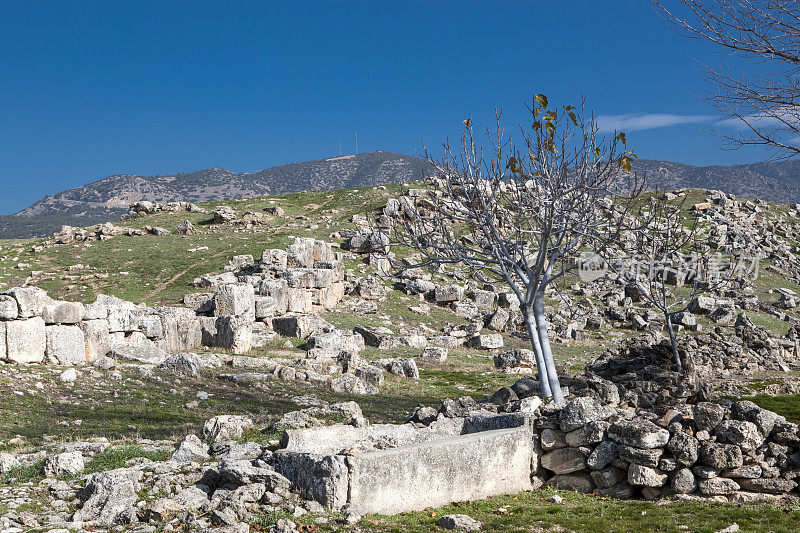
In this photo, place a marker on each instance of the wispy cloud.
(777, 117)
(647, 121)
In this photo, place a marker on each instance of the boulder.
(139, 349)
(717, 486)
(108, 496)
(638, 433)
(31, 301)
(581, 411)
(721, 456)
(235, 299)
(740, 433)
(26, 340)
(182, 364)
(190, 449)
(65, 345)
(684, 448)
(645, 476)
(352, 384)
(563, 461)
(683, 481)
(459, 522)
(63, 313)
(226, 427)
(70, 463)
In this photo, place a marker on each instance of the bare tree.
(520, 214)
(760, 98)
(666, 249)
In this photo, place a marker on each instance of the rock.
(684, 448)
(638, 433)
(707, 415)
(63, 313)
(190, 449)
(182, 364)
(770, 486)
(740, 433)
(459, 522)
(435, 353)
(489, 341)
(683, 481)
(186, 228)
(142, 350)
(64, 463)
(68, 376)
(645, 476)
(243, 472)
(721, 456)
(563, 461)
(351, 384)
(162, 510)
(591, 433)
(530, 405)
(733, 528)
(640, 456)
(31, 301)
(26, 340)
(717, 486)
(235, 299)
(371, 288)
(575, 482)
(371, 374)
(444, 294)
(580, 412)
(608, 477)
(552, 439)
(520, 360)
(65, 345)
(226, 427)
(109, 496)
(8, 462)
(602, 456)
(8, 307)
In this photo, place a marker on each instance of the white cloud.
(777, 117)
(647, 121)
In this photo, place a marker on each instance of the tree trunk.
(674, 342)
(547, 353)
(544, 382)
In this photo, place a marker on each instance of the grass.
(118, 456)
(530, 512)
(786, 405)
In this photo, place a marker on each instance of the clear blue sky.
(91, 88)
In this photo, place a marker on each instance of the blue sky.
(90, 89)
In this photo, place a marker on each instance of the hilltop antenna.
(340, 147)
(356, 142)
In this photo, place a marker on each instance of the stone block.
(26, 340)
(96, 337)
(66, 345)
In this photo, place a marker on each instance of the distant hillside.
(774, 182)
(107, 199)
(117, 192)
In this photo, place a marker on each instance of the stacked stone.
(37, 329)
(139, 209)
(706, 449)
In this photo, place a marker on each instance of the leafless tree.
(667, 256)
(520, 213)
(760, 95)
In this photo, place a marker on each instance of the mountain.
(116, 192)
(774, 182)
(109, 198)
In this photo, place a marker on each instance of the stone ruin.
(281, 289)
